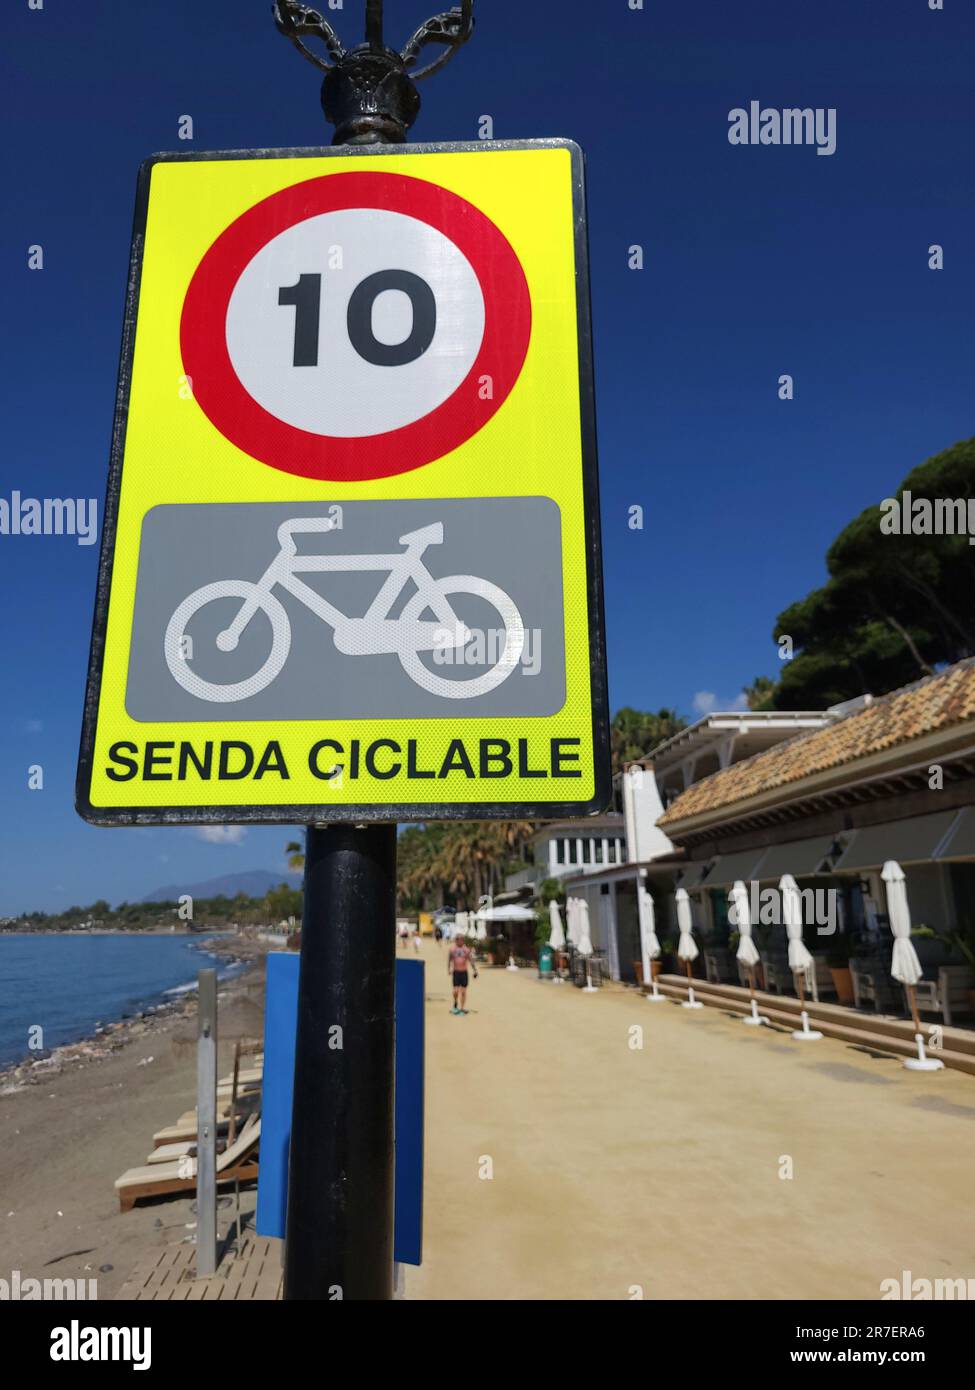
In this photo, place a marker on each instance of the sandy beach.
(89, 1114)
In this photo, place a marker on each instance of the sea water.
(66, 985)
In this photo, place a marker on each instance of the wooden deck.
(253, 1273)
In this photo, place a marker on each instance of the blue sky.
(758, 261)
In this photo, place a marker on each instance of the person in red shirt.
(460, 959)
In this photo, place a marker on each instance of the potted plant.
(838, 960)
(934, 948)
(961, 940)
(666, 963)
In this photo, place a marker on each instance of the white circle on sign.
(343, 394)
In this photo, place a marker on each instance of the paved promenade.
(614, 1167)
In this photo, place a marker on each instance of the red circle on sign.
(222, 396)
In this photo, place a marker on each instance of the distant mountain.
(254, 882)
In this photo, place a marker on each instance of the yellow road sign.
(351, 562)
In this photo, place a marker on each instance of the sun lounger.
(186, 1148)
(238, 1164)
(185, 1127)
(239, 1086)
(252, 1077)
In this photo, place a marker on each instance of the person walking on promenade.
(460, 959)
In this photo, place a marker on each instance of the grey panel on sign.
(319, 614)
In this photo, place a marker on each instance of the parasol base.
(511, 965)
(922, 1062)
(690, 1002)
(656, 997)
(805, 1033)
(754, 1019)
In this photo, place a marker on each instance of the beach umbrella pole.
(755, 1019)
(654, 996)
(922, 1062)
(690, 1002)
(912, 999)
(805, 1033)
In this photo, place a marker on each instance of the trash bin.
(545, 958)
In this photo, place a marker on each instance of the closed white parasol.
(649, 945)
(584, 942)
(747, 951)
(905, 965)
(800, 961)
(556, 937)
(686, 946)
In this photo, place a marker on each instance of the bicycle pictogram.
(375, 633)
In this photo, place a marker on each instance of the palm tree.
(634, 733)
(462, 858)
(474, 854)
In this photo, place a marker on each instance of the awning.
(908, 841)
(959, 843)
(731, 867)
(513, 912)
(800, 858)
(694, 874)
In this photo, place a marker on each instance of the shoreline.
(88, 1113)
(115, 931)
(110, 1038)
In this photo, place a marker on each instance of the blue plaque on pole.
(280, 1024)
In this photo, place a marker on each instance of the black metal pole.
(340, 1189)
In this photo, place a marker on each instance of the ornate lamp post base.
(369, 93)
